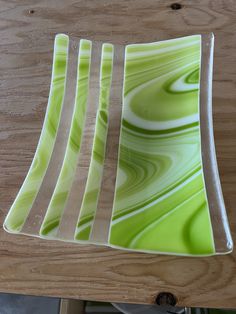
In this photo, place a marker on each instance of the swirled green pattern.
(28, 192)
(57, 203)
(93, 185)
(160, 201)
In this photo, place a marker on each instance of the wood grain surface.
(37, 267)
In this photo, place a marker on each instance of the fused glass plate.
(126, 155)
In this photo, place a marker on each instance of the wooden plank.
(37, 267)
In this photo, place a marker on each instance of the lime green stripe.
(28, 192)
(157, 132)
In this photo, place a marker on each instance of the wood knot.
(176, 6)
(166, 298)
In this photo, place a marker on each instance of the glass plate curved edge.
(222, 234)
(214, 193)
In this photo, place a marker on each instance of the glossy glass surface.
(161, 193)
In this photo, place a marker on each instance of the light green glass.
(57, 203)
(28, 192)
(160, 200)
(93, 185)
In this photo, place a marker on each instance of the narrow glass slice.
(160, 200)
(57, 203)
(219, 220)
(100, 227)
(93, 185)
(28, 192)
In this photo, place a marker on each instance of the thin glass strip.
(26, 196)
(93, 185)
(220, 225)
(100, 227)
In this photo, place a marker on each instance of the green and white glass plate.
(126, 155)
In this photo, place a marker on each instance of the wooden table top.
(39, 267)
